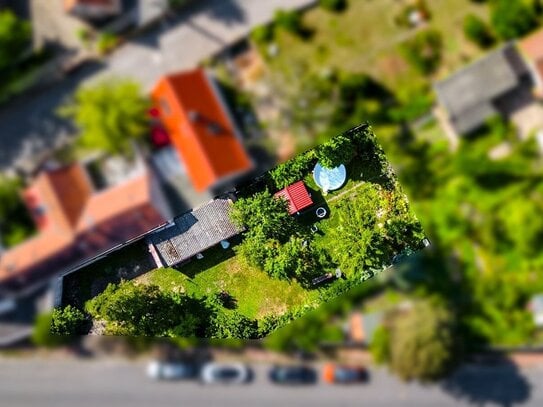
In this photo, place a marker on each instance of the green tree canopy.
(15, 222)
(422, 342)
(477, 31)
(14, 38)
(137, 309)
(110, 115)
(512, 19)
(338, 150)
(265, 214)
(69, 321)
(424, 51)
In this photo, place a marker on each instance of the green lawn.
(256, 293)
(365, 39)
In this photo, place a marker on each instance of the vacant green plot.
(365, 39)
(257, 294)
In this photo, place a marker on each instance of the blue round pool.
(329, 179)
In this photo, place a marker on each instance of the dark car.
(344, 374)
(293, 375)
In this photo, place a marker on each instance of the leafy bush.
(106, 42)
(232, 324)
(262, 34)
(289, 20)
(422, 342)
(380, 345)
(477, 31)
(339, 150)
(294, 259)
(15, 221)
(110, 115)
(512, 19)
(137, 309)
(69, 321)
(293, 170)
(263, 213)
(15, 36)
(42, 336)
(424, 51)
(333, 5)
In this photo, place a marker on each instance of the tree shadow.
(498, 383)
(228, 12)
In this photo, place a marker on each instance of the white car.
(159, 370)
(225, 373)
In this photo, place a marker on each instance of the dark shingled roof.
(469, 95)
(195, 232)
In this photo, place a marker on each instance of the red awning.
(297, 197)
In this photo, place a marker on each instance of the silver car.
(161, 370)
(225, 373)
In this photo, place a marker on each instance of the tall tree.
(512, 19)
(110, 115)
(14, 38)
(422, 342)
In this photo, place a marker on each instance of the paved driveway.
(29, 125)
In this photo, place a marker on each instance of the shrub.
(380, 345)
(339, 150)
(333, 5)
(106, 42)
(262, 34)
(422, 342)
(477, 31)
(289, 20)
(42, 336)
(69, 321)
(232, 324)
(424, 51)
(293, 170)
(512, 19)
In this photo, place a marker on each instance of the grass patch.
(257, 294)
(336, 43)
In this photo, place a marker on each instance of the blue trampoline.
(329, 179)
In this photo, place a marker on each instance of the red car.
(339, 374)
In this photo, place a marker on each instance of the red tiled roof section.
(532, 46)
(297, 197)
(36, 250)
(70, 4)
(104, 206)
(200, 128)
(61, 195)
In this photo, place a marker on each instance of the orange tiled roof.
(36, 250)
(70, 4)
(189, 109)
(105, 205)
(81, 223)
(532, 45)
(532, 48)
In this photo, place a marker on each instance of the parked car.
(169, 370)
(332, 373)
(225, 373)
(298, 374)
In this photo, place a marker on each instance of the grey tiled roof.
(195, 232)
(468, 94)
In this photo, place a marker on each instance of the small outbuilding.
(297, 196)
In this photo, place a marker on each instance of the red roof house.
(93, 8)
(297, 197)
(194, 114)
(532, 49)
(76, 222)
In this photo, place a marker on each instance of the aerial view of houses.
(250, 261)
(217, 169)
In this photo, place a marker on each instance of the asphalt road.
(120, 383)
